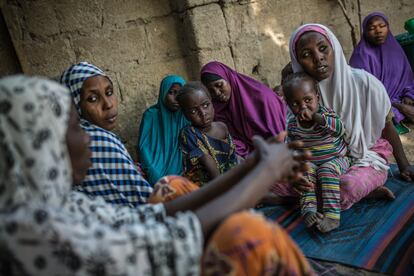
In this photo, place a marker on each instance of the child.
(207, 146)
(322, 133)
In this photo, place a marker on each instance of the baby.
(208, 149)
(322, 133)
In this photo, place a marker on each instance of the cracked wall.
(138, 42)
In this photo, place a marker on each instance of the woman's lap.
(356, 184)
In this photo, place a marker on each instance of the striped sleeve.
(333, 123)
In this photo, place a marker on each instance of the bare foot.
(381, 193)
(327, 224)
(311, 218)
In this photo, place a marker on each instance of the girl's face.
(77, 142)
(98, 103)
(377, 30)
(315, 55)
(170, 100)
(198, 109)
(220, 90)
(302, 95)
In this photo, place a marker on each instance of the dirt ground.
(408, 144)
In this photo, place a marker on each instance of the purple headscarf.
(387, 62)
(253, 108)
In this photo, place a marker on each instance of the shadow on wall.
(9, 64)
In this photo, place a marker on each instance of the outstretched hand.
(284, 159)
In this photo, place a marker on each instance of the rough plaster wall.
(138, 42)
(134, 42)
(9, 64)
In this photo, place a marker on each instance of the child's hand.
(305, 115)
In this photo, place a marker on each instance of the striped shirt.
(324, 142)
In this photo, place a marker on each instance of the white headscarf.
(358, 97)
(47, 230)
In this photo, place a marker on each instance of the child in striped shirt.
(322, 133)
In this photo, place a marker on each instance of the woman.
(45, 229)
(359, 99)
(113, 174)
(362, 104)
(158, 142)
(245, 105)
(379, 53)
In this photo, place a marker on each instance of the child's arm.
(210, 166)
(330, 121)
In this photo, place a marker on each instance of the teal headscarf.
(158, 142)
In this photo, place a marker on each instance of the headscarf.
(158, 142)
(45, 229)
(113, 174)
(253, 108)
(356, 96)
(387, 62)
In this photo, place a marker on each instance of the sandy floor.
(408, 144)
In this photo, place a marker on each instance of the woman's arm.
(276, 162)
(211, 190)
(390, 134)
(218, 185)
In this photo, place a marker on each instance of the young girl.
(158, 146)
(208, 149)
(322, 134)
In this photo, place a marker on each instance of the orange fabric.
(170, 187)
(246, 244)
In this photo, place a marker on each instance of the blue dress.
(195, 144)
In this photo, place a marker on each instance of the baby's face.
(303, 96)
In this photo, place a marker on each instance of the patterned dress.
(46, 228)
(195, 144)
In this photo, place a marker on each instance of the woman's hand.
(285, 160)
(407, 100)
(302, 185)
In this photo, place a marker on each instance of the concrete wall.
(138, 42)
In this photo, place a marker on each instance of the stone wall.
(138, 42)
(9, 64)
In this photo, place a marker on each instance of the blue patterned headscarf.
(113, 174)
(158, 142)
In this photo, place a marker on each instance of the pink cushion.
(356, 184)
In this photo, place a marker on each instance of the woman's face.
(220, 90)
(170, 100)
(77, 142)
(98, 103)
(377, 30)
(315, 55)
